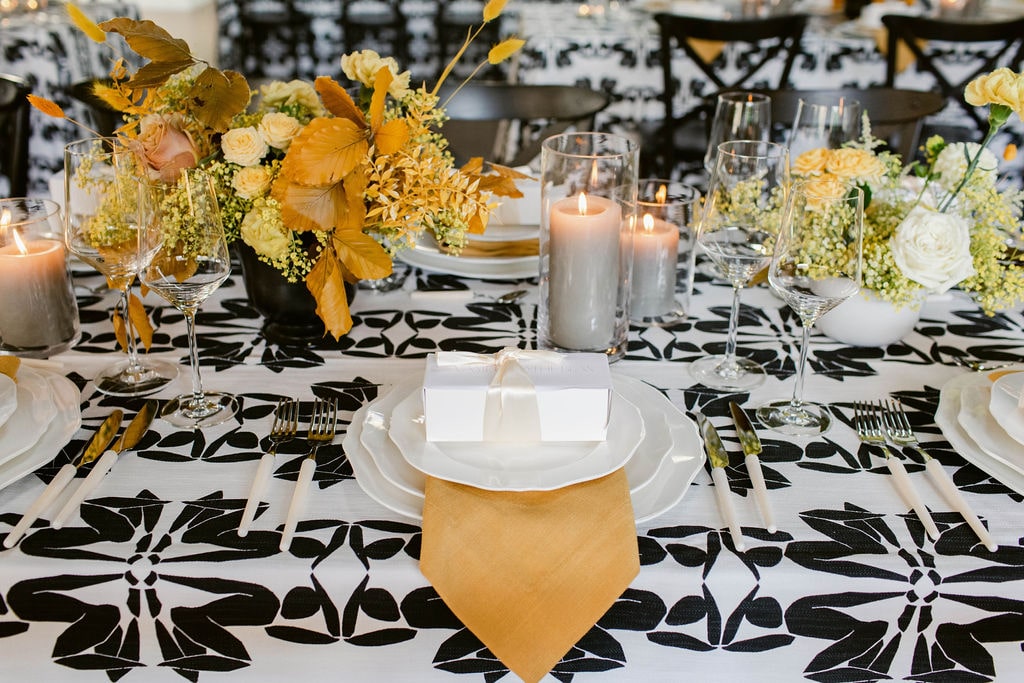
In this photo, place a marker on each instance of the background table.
(153, 584)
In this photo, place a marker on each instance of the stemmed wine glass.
(186, 260)
(736, 231)
(823, 124)
(739, 115)
(101, 226)
(816, 265)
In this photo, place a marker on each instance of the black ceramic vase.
(288, 308)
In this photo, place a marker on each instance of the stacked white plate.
(979, 415)
(659, 446)
(39, 413)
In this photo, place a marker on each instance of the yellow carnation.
(1002, 86)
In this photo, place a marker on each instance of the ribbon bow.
(511, 410)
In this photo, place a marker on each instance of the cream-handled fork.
(869, 430)
(285, 427)
(321, 431)
(897, 426)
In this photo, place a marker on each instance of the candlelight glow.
(582, 203)
(18, 242)
(594, 174)
(661, 195)
(648, 222)
(5, 219)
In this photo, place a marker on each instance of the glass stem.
(734, 323)
(131, 346)
(198, 398)
(798, 387)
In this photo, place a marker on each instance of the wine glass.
(816, 265)
(736, 231)
(823, 123)
(101, 227)
(187, 259)
(739, 115)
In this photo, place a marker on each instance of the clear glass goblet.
(739, 115)
(816, 265)
(736, 232)
(187, 259)
(102, 196)
(823, 124)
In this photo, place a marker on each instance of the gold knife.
(719, 461)
(751, 445)
(103, 436)
(131, 436)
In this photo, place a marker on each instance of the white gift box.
(516, 395)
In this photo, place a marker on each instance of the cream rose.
(1002, 86)
(811, 161)
(854, 164)
(251, 181)
(952, 161)
(363, 66)
(279, 129)
(166, 147)
(279, 93)
(244, 146)
(268, 237)
(933, 248)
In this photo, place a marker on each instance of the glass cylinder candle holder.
(588, 210)
(39, 316)
(663, 255)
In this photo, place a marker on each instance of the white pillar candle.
(583, 269)
(655, 251)
(39, 308)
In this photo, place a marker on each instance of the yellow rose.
(1002, 86)
(268, 237)
(244, 146)
(811, 162)
(279, 93)
(855, 164)
(279, 129)
(251, 181)
(363, 66)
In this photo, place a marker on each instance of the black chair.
(104, 118)
(754, 43)
(1006, 48)
(896, 115)
(507, 123)
(14, 131)
(274, 34)
(378, 25)
(452, 22)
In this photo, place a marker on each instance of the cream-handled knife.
(104, 435)
(719, 461)
(751, 445)
(131, 436)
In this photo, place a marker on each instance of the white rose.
(251, 181)
(952, 161)
(279, 129)
(268, 238)
(933, 249)
(363, 66)
(279, 93)
(244, 146)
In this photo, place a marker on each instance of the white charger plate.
(946, 417)
(425, 254)
(57, 435)
(977, 422)
(34, 413)
(8, 398)
(543, 466)
(1004, 404)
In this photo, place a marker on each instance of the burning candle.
(655, 251)
(39, 314)
(583, 271)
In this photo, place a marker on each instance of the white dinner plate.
(426, 255)
(8, 398)
(65, 423)
(374, 437)
(535, 466)
(977, 422)
(1004, 404)
(34, 412)
(675, 470)
(946, 418)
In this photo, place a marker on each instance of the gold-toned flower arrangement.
(938, 224)
(323, 185)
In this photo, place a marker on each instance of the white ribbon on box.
(511, 411)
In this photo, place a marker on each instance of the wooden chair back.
(14, 131)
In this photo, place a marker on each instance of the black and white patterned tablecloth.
(152, 583)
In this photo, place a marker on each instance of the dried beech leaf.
(327, 283)
(337, 100)
(354, 211)
(149, 40)
(140, 321)
(308, 208)
(325, 151)
(218, 97)
(361, 254)
(155, 74)
(120, 331)
(392, 136)
(381, 83)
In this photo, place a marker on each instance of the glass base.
(150, 375)
(720, 372)
(214, 408)
(670, 317)
(803, 419)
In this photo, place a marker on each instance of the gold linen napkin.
(499, 248)
(529, 573)
(707, 49)
(9, 366)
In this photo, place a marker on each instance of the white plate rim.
(35, 411)
(977, 422)
(1003, 405)
(8, 398)
(516, 268)
(369, 477)
(604, 458)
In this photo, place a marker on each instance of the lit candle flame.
(582, 203)
(648, 222)
(661, 195)
(18, 242)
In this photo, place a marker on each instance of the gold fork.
(869, 430)
(285, 427)
(321, 431)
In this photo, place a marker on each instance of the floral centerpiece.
(944, 223)
(324, 186)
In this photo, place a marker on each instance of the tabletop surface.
(151, 581)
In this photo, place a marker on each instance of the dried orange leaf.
(155, 74)
(149, 40)
(391, 136)
(327, 284)
(505, 49)
(85, 24)
(308, 208)
(381, 83)
(337, 100)
(48, 107)
(140, 321)
(325, 151)
(352, 216)
(361, 254)
(219, 96)
(120, 331)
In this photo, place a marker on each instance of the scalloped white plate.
(8, 398)
(1004, 404)
(36, 409)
